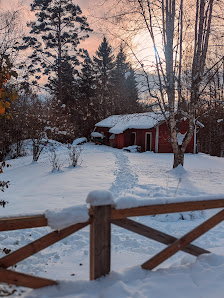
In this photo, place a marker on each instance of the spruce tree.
(119, 82)
(88, 114)
(87, 77)
(68, 84)
(125, 92)
(54, 39)
(132, 96)
(104, 65)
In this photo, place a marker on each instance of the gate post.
(100, 233)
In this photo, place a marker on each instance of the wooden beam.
(24, 280)
(166, 208)
(100, 241)
(183, 241)
(39, 244)
(22, 222)
(156, 235)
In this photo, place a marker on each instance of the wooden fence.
(101, 218)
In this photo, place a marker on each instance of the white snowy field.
(131, 177)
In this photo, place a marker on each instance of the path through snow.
(125, 179)
(34, 189)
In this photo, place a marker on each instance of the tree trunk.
(59, 59)
(169, 76)
(178, 157)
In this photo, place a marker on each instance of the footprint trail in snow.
(125, 178)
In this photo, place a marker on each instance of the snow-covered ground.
(131, 177)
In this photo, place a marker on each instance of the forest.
(51, 88)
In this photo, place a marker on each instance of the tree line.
(81, 90)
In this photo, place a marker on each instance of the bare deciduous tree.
(171, 99)
(179, 32)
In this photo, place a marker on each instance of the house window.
(148, 140)
(133, 138)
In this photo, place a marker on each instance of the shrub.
(55, 163)
(74, 155)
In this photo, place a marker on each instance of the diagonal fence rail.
(100, 220)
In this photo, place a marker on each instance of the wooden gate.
(101, 218)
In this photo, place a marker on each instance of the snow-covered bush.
(74, 155)
(54, 160)
(38, 146)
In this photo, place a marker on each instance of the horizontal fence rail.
(166, 208)
(23, 222)
(101, 218)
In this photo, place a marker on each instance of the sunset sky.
(96, 11)
(91, 43)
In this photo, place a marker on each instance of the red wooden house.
(148, 130)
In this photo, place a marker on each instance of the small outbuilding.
(147, 130)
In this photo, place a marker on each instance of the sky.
(98, 14)
(91, 43)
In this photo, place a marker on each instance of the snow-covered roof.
(110, 121)
(119, 123)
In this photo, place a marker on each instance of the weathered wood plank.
(156, 235)
(39, 244)
(183, 241)
(24, 280)
(166, 208)
(100, 242)
(22, 222)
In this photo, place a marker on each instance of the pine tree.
(104, 65)
(132, 96)
(87, 77)
(68, 84)
(88, 115)
(119, 82)
(125, 86)
(54, 39)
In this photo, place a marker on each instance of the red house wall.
(164, 146)
(164, 138)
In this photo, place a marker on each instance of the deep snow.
(139, 176)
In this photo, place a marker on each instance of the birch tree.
(179, 32)
(172, 98)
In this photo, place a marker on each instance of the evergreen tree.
(119, 82)
(104, 65)
(132, 105)
(54, 39)
(87, 77)
(125, 86)
(68, 84)
(87, 110)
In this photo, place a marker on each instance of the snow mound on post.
(100, 198)
(59, 219)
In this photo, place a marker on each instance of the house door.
(133, 138)
(148, 140)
